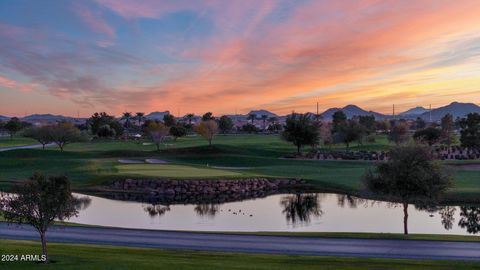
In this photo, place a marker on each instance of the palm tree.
(140, 116)
(127, 116)
(190, 117)
(252, 117)
(264, 118)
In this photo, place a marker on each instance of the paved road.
(435, 250)
(32, 146)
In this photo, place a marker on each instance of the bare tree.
(157, 132)
(208, 129)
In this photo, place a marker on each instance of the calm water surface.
(297, 213)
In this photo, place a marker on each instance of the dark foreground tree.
(470, 130)
(39, 202)
(410, 176)
(448, 130)
(300, 130)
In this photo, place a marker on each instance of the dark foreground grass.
(68, 256)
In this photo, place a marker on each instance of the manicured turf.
(66, 256)
(5, 141)
(91, 163)
(182, 171)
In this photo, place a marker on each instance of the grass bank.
(69, 256)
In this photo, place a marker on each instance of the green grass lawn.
(92, 163)
(5, 141)
(69, 256)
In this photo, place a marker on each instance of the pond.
(319, 212)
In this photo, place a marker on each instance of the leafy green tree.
(448, 130)
(225, 124)
(339, 119)
(369, 123)
(470, 130)
(208, 130)
(348, 132)
(100, 119)
(249, 128)
(178, 131)
(39, 202)
(169, 120)
(398, 133)
(13, 126)
(65, 133)
(300, 130)
(411, 175)
(106, 131)
(428, 135)
(40, 134)
(383, 126)
(208, 116)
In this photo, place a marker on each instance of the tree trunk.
(210, 142)
(298, 149)
(405, 218)
(61, 146)
(43, 146)
(44, 245)
(158, 147)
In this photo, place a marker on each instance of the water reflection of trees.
(156, 210)
(300, 208)
(470, 219)
(207, 209)
(82, 203)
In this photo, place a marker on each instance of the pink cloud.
(11, 84)
(95, 21)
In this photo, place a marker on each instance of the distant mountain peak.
(415, 111)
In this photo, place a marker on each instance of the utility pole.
(393, 110)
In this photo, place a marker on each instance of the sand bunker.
(130, 161)
(155, 161)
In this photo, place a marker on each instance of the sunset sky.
(78, 57)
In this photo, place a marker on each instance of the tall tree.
(65, 133)
(140, 116)
(190, 117)
(251, 117)
(339, 118)
(157, 132)
(398, 133)
(368, 122)
(448, 130)
(208, 116)
(470, 130)
(40, 134)
(13, 126)
(348, 132)
(264, 119)
(300, 130)
(127, 116)
(100, 119)
(420, 123)
(39, 202)
(208, 130)
(169, 120)
(428, 135)
(411, 175)
(225, 124)
(178, 131)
